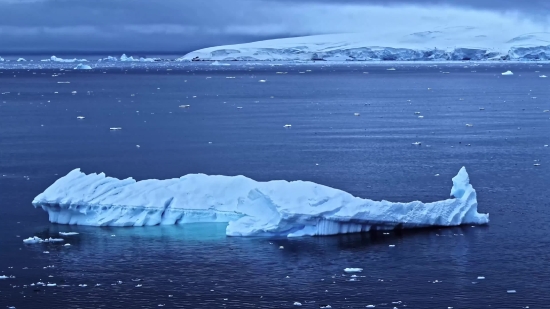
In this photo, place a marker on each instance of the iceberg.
(109, 59)
(251, 208)
(21, 60)
(81, 66)
(125, 58)
(447, 44)
(56, 59)
(1, 59)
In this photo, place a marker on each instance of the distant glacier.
(448, 44)
(251, 208)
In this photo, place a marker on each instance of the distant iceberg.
(125, 58)
(1, 59)
(448, 44)
(274, 208)
(109, 59)
(81, 66)
(56, 59)
(21, 60)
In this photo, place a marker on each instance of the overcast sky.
(180, 26)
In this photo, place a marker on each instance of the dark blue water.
(371, 155)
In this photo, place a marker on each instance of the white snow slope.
(274, 208)
(453, 43)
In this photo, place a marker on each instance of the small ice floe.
(469, 125)
(296, 303)
(138, 146)
(353, 270)
(4, 277)
(356, 114)
(11, 307)
(391, 246)
(230, 77)
(281, 247)
(480, 278)
(21, 60)
(536, 164)
(66, 245)
(545, 145)
(63, 82)
(73, 92)
(546, 111)
(51, 284)
(326, 307)
(82, 285)
(543, 76)
(390, 69)
(139, 285)
(370, 306)
(33, 240)
(507, 73)
(436, 175)
(417, 143)
(417, 113)
(420, 117)
(481, 108)
(185, 106)
(80, 117)
(54, 240)
(219, 63)
(287, 125)
(262, 81)
(115, 128)
(136, 280)
(511, 291)
(239, 107)
(68, 233)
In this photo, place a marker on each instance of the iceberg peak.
(461, 184)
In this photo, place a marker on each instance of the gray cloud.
(183, 25)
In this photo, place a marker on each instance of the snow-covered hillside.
(453, 43)
(274, 208)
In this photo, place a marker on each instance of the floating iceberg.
(109, 59)
(81, 66)
(125, 58)
(56, 59)
(508, 73)
(21, 60)
(448, 44)
(1, 59)
(274, 208)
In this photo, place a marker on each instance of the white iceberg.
(33, 240)
(81, 66)
(56, 59)
(1, 59)
(508, 73)
(109, 59)
(125, 58)
(21, 60)
(274, 208)
(446, 44)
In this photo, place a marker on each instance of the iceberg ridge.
(251, 208)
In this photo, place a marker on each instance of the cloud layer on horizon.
(174, 25)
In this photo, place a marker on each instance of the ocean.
(234, 125)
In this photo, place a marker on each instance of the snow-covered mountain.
(453, 43)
